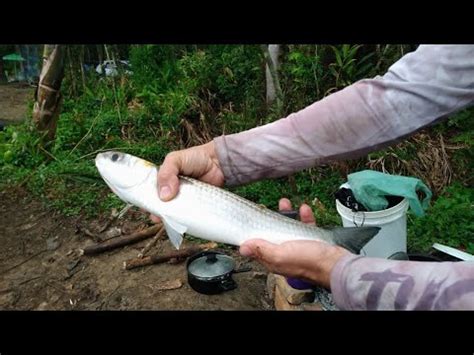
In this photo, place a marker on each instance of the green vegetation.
(179, 96)
(449, 221)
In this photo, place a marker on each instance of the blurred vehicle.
(112, 68)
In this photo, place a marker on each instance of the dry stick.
(121, 241)
(158, 259)
(152, 242)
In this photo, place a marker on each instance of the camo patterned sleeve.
(419, 89)
(361, 283)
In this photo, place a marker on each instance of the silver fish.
(212, 213)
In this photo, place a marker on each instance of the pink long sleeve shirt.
(418, 90)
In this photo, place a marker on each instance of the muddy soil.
(41, 267)
(13, 102)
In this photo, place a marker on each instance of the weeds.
(179, 96)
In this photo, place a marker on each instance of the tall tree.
(48, 95)
(274, 92)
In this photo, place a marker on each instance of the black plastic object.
(413, 257)
(399, 255)
(210, 272)
(423, 257)
(290, 214)
(347, 198)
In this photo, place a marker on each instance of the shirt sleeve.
(421, 88)
(362, 283)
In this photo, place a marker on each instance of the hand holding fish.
(309, 260)
(199, 162)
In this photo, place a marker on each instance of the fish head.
(123, 171)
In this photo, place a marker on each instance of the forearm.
(361, 283)
(368, 115)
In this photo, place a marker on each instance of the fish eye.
(115, 157)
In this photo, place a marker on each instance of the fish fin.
(354, 238)
(174, 230)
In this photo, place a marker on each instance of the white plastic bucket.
(391, 238)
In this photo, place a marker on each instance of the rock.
(293, 296)
(281, 304)
(271, 285)
(53, 243)
(43, 306)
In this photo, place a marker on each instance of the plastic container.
(392, 237)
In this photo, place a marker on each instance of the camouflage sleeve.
(362, 283)
(419, 89)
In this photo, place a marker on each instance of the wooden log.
(177, 254)
(121, 241)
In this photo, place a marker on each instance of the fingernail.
(165, 192)
(246, 251)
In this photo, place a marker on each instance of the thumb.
(260, 249)
(168, 180)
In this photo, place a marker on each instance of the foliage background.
(183, 95)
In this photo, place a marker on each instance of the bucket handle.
(363, 219)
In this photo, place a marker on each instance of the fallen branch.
(152, 242)
(121, 241)
(158, 259)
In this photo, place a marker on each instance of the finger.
(168, 180)
(284, 204)
(155, 219)
(306, 214)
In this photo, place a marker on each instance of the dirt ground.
(41, 267)
(13, 101)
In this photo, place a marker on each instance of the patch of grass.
(448, 221)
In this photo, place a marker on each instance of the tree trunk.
(274, 93)
(48, 96)
(81, 63)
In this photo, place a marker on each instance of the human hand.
(312, 261)
(199, 162)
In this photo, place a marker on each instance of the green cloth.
(370, 188)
